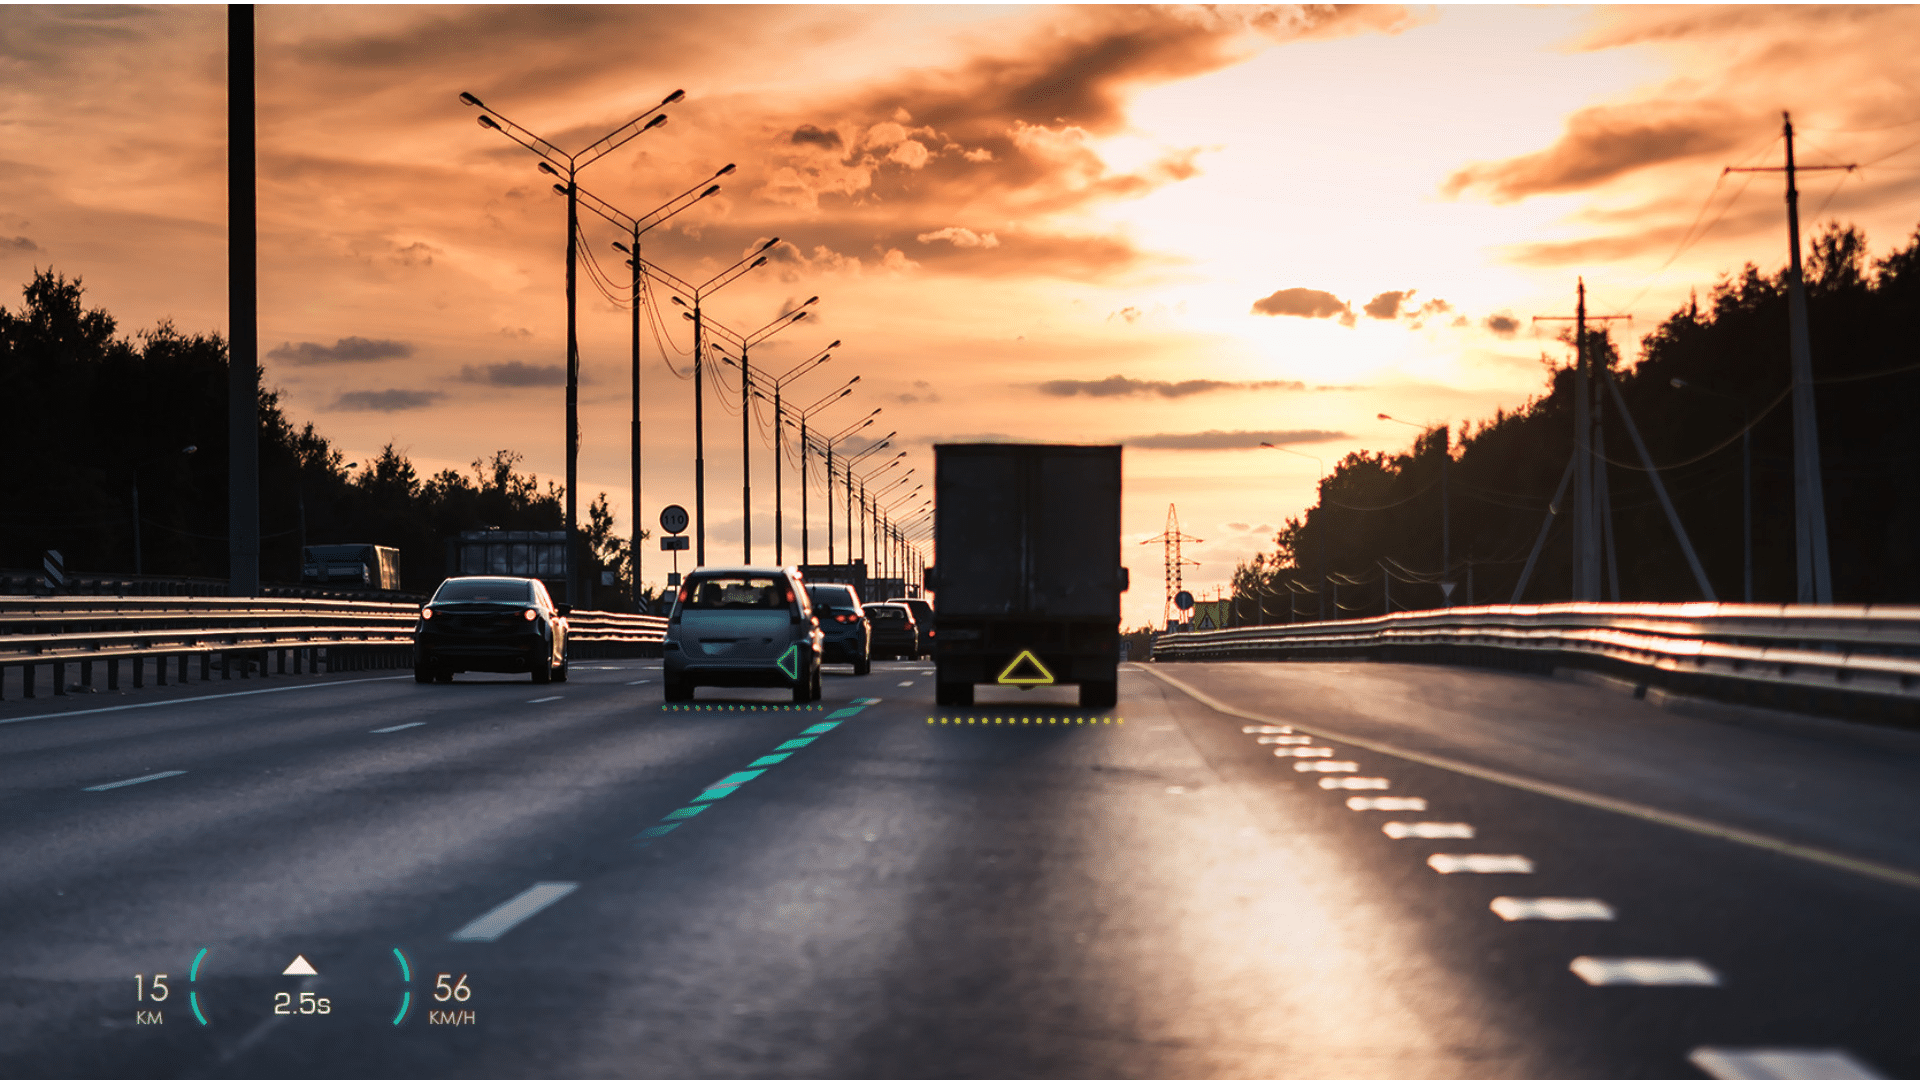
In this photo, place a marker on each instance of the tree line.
(1377, 519)
(93, 424)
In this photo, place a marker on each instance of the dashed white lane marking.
(639, 682)
(1700, 826)
(1303, 751)
(1283, 740)
(137, 780)
(1355, 783)
(494, 923)
(1428, 830)
(1481, 864)
(908, 682)
(1266, 729)
(538, 700)
(1326, 766)
(397, 727)
(1551, 909)
(1385, 802)
(1779, 1063)
(1643, 971)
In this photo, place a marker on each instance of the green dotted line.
(1026, 720)
(732, 782)
(742, 708)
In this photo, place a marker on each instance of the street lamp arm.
(626, 132)
(667, 278)
(491, 118)
(794, 372)
(755, 257)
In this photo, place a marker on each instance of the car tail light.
(426, 613)
(529, 614)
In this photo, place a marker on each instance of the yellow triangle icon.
(1034, 674)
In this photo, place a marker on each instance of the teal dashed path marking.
(731, 783)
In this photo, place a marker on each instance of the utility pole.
(1813, 572)
(1170, 541)
(243, 315)
(1586, 515)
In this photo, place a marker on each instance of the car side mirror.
(563, 609)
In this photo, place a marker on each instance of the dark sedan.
(490, 624)
(894, 635)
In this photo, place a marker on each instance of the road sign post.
(674, 520)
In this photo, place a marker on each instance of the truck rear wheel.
(1099, 695)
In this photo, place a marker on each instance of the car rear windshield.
(506, 592)
(833, 599)
(736, 592)
(887, 614)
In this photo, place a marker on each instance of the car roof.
(486, 577)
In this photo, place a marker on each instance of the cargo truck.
(1026, 570)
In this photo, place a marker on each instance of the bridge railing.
(243, 636)
(1849, 660)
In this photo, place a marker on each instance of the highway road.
(1242, 871)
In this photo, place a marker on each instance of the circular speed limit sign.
(674, 519)
(1183, 600)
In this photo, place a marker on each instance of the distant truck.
(1026, 571)
(363, 566)
(531, 553)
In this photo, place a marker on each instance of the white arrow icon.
(299, 967)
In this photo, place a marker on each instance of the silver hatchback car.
(742, 626)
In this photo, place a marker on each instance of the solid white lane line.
(1326, 766)
(1779, 1063)
(501, 919)
(137, 780)
(1303, 751)
(1283, 740)
(1700, 826)
(397, 727)
(203, 697)
(1386, 802)
(639, 682)
(1428, 830)
(538, 700)
(1481, 864)
(1355, 783)
(1551, 909)
(1643, 971)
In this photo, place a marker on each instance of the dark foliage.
(1379, 515)
(87, 415)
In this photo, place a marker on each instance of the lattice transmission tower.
(1171, 540)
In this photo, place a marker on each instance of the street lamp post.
(847, 469)
(745, 343)
(554, 160)
(635, 228)
(751, 261)
(779, 441)
(1320, 539)
(827, 446)
(1746, 480)
(1446, 532)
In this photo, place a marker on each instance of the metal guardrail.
(1856, 661)
(244, 635)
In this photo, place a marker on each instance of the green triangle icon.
(1026, 670)
(790, 661)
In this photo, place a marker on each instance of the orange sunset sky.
(1186, 230)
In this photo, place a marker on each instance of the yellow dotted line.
(1026, 720)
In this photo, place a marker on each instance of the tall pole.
(746, 460)
(573, 392)
(829, 504)
(243, 314)
(699, 442)
(1814, 577)
(849, 468)
(806, 556)
(1586, 562)
(1446, 523)
(779, 439)
(1746, 510)
(633, 550)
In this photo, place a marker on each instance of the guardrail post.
(139, 671)
(281, 656)
(26, 679)
(59, 678)
(226, 665)
(160, 670)
(180, 674)
(206, 666)
(86, 674)
(113, 673)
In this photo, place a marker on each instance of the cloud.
(347, 350)
(515, 332)
(18, 243)
(1121, 386)
(1602, 143)
(417, 253)
(1229, 440)
(1387, 304)
(515, 373)
(1306, 304)
(808, 135)
(385, 400)
(1502, 324)
(958, 237)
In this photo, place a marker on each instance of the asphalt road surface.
(1243, 871)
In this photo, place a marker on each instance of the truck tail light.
(529, 613)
